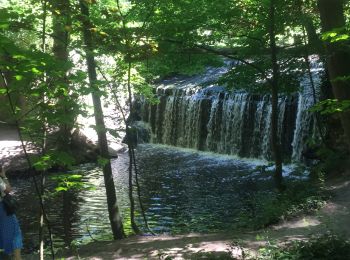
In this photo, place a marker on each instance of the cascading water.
(306, 125)
(195, 113)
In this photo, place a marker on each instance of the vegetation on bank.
(322, 247)
(267, 208)
(327, 246)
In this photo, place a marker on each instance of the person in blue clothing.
(10, 232)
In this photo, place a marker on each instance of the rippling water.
(182, 190)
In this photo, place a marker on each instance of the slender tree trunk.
(61, 26)
(130, 146)
(113, 210)
(131, 197)
(276, 148)
(44, 142)
(338, 56)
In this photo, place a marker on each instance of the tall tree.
(113, 209)
(276, 148)
(338, 55)
(61, 26)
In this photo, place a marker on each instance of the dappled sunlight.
(10, 144)
(304, 222)
(178, 247)
(11, 148)
(341, 185)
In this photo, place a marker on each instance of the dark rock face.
(228, 123)
(83, 149)
(139, 132)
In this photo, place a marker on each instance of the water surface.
(182, 190)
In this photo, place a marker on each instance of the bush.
(325, 247)
(267, 208)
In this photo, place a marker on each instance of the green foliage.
(266, 208)
(53, 158)
(102, 161)
(331, 106)
(336, 35)
(327, 246)
(66, 182)
(170, 62)
(330, 160)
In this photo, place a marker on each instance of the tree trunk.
(276, 148)
(131, 197)
(113, 210)
(61, 24)
(338, 56)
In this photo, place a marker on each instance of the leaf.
(36, 71)
(19, 57)
(103, 34)
(113, 132)
(331, 106)
(19, 77)
(4, 26)
(61, 188)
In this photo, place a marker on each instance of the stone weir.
(196, 113)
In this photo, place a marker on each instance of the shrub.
(325, 247)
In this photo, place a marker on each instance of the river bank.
(13, 157)
(11, 151)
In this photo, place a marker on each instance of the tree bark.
(61, 23)
(338, 56)
(113, 210)
(276, 148)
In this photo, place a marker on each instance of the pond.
(182, 191)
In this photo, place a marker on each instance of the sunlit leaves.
(336, 35)
(331, 106)
(19, 77)
(36, 71)
(74, 181)
(53, 158)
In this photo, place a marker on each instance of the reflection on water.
(182, 191)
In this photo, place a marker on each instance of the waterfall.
(306, 125)
(195, 113)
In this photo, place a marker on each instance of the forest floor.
(334, 217)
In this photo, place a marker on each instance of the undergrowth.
(326, 247)
(269, 207)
